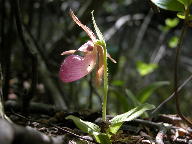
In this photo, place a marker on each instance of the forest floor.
(53, 128)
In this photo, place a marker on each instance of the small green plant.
(75, 67)
(103, 134)
(182, 7)
(144, 68)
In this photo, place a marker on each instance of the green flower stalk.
(104, 107)
(101, 42)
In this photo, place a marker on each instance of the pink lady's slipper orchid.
(74, 67)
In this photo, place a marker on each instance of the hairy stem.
(104, 106)
(176, 72)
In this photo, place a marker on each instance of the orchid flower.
(74, 67)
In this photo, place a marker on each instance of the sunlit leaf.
(173, 42)
(172, 22)
(118, 120)
(85, 126)
(181, 15)
(144, 68)
(146, 92)
(115, 127)
(172, 5)
(102, 138)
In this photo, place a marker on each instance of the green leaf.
(102, 138)
(173, 42)
(171, 5)
(181, 15)
(171, 23)
(90, 128)
(85, 126)
(146, 92)
(132, 114)
(118, 120)
(144, 68)
(115, 127)
(98, 32)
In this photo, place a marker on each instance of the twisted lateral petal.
(84, 27)
(75, 67)
(68, 52)
(87, 47)
(100, 68)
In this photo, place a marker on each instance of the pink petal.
(87, 47)
(75, 67)
(68, 52)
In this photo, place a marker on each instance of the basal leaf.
(85, 126)
(118, 120)
(115, 127)
(133, 113)
(172, 5)
(146, 92)
(91, 128)
(102, 138)
(121, 117)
